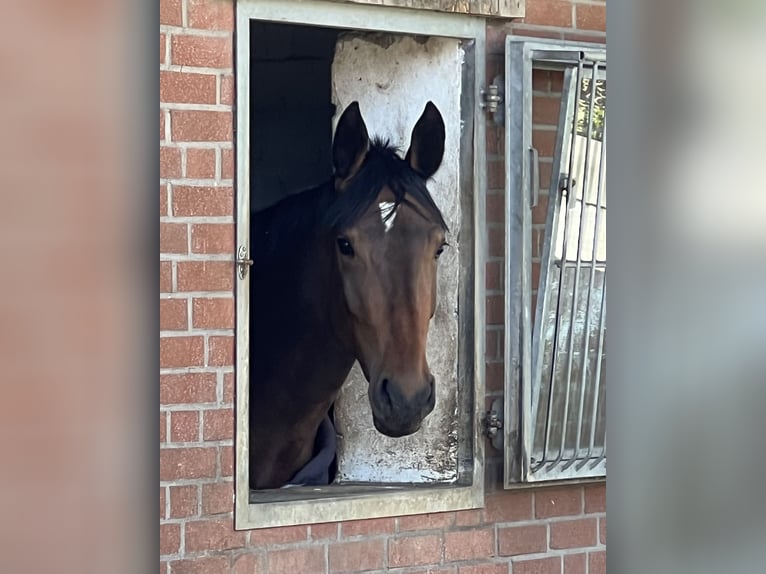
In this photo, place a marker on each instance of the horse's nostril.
(385, 392)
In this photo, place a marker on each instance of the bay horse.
(344, 272)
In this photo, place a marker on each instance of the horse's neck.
(298, 364)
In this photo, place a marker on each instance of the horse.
(344, 272)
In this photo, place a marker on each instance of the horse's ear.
(351, 142)
(427, 142)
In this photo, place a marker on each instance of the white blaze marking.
(387, 207)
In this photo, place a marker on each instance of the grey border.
(306, 507)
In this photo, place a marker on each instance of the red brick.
(508, 506)
(484, 569)
(183, 501)
(218, 424)
(205, 276)
(431, 521)
(163, 427)
(495, 174)
(469, 544)
(574, 564)
(574, 533)
(220, 351)
(213, 313)
(184, 426)
(228, 388)
(163, 200)
(187, 88)
(248, 564)
(537, 566)
(174, 238)
(227, 164)
(564, 501)
(545, 169)
(216, 15)
(202, 565)
(492, 350)
(190, 462)
(492, 275)
(173, 314)
(365, 527)
(297, 560)
(524, 30)
(213, 535)
(557, 81)
(201, 51)
(549, 13)
(200, 163)
(181, 352)
(495, 208)
(170, 538)
(163, 567)
(595, 498)
(217, 497)
(414, 551)
(227, 91)
(200, 126)
(324, 531)
(170, 162)
(468, 517)
(356, 556)
(202, 201)
(495, 304)
(496, 236)
(596, 562)
(544, 141)
(496, 34)
(545, 110)
(594, 37)
(162, 50)
(170, 12)
(541, 80)
(522, 540)
(227, 460)
(602, 530)
(163, 509)
(495, 373)
(540, 211)
(591, 16)
(212, 238)
(187, 388)
(281, 535)
(162, 125)
(495, 140)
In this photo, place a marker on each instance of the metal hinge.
(243, 263)
(492, 97)
(493, 424)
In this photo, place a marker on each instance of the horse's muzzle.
(396, 414)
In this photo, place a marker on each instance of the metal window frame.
(306, 505)
(522, 54)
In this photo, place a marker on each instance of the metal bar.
(551, 393)
(586, 332)
(569, 56)
(599, 355)
(575, 290)
(548, 253)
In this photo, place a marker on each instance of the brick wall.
(546, 530)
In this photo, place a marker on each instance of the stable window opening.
(399, 438)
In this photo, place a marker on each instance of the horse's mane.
(382, 167)
(288, 223)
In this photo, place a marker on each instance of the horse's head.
(388, 235)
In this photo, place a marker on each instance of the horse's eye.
(440, 251)
(344, 245)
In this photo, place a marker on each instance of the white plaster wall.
(393, 78)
